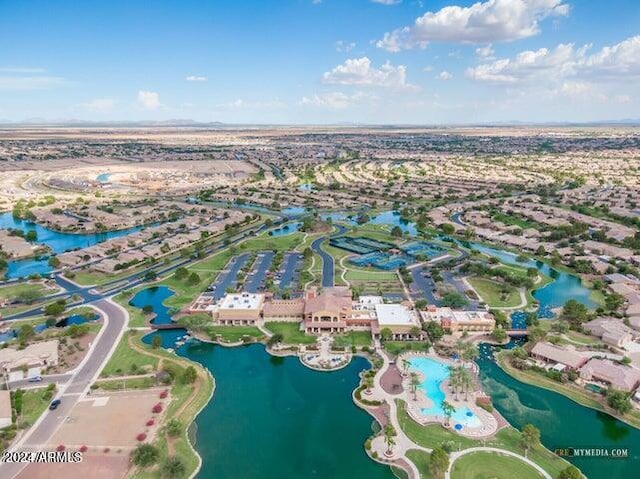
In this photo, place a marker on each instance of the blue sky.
(328, 61)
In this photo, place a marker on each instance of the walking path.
(403, 443)
(458, 454)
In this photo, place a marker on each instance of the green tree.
(571, 472)
(389, 434)
(574, 312)
(618, 400)
(54, 309)
(172, 467)
(194, 278)
(499, 335)
(156, 342)
(530, 437)
(415, 382)
(438, 463)
(145, 455)
(173, 428)
(29, 296)
(386, 334)
(190, 375)
(448, 410)
(447, 228)
(181, 273)
(275, 339)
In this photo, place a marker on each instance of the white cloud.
(485, 52)
(99, 104)
(196, 78)
(482, 22)
(578, 90)
(444, 75)
(358, 71)
(526, 65)
(30, 82)
(619, 62)
(344, 46)
(335, 100)
(148, 100)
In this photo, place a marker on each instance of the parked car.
(54, 404)
(35, 379)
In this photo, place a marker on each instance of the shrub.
(83, 448)
(150, 422)
(141, 437)
(60, 448)
(157, 408)
(164, 394)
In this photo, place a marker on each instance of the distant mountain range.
(187, 123)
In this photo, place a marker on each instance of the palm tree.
(454, 380)
(448, 411)
(368, 382)
(405, 366)
(389, 432)
(415, 382)
(465, 381)
(470, 352)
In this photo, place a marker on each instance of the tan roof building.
(328, 310)
(624, 378)
(555, 354)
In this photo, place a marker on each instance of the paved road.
(51, 378)
(39, 435)
(228, 278)
(89, 294)
(327, 260)
(423, 286)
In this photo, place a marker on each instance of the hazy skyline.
(328, 61)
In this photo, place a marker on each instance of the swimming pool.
(434, 373)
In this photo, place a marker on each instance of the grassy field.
(126, 361)
(233, 334)
(489, 291)
(34, 403)
(353, 338)
(421, 460)
(396, 347)
(433, 435)
(11, 292)
(290, 332)
(487, 465)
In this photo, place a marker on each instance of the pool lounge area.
(468, 419)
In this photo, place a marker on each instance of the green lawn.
(233, 334)
(421, 460)
(487, 465)
(433, 435)
(11, 292)
(137, 319)
(489, 291)
(290, 332)
(353, 338)
(124, 358)
(34, 403)
(396, 347)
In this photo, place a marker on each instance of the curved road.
(37, 437)
(327, 260)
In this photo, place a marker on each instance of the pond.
(562, 422)
(285, 229)
(56, 241)
(38, 328)
(294, 422)
(103, 178)
(564, 286)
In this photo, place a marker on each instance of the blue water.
(555, 294)
(56, 241)
(38, 328)
(103, 177)
(285, 229)
(154, 296)
(306, 187)
(294, 211)
(434, 373)
(391, 218)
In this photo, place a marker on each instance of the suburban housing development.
(320, 239)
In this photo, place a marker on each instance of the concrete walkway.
(456, 455)
(403, 443)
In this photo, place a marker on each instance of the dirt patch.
(111, 420)
(93, 465)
